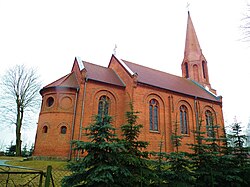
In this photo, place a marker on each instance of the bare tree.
(20, 95)
(245, 25)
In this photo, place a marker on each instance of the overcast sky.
(49, 34)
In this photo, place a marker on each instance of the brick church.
(163, 100)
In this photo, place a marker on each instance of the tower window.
(153, 115)
(103, 105)
(50, 101)
(196, 73)
(63, 129)
(183, 119)
(45, 129)
(209, 123)
(203, 69)
(186, 69)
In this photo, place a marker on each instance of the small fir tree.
(102, 164)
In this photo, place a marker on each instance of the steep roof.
(170, 82)
(68, 80)
(102, 74)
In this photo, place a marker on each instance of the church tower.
(194, 65)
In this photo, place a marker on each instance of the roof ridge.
(61, 78)
(152, 69)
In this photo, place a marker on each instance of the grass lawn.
(58, 167)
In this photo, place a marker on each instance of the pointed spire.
(194, 64)
(192, 46)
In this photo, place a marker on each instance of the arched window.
(203, 69)
(186, 69)
(184, 119)
(103, 105)
(63, 129)
(209, 123)
(153, 115)
(45, 129)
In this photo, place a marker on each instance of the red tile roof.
(102, 74)
(170, 82)
(69, 80)
(146, 76)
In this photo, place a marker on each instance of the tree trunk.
(18, 128)
(18, 141)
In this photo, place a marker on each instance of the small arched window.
(209, 123)
(45, 129)
(153, 115)
(184, 119)
(186, 69)
(63, 129)
(103, 105)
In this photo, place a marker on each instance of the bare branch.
(19, 98)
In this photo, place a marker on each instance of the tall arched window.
(103, 105)
(184, 119)
(209, 123)
(153, 115)
(186, 69)
(204, 69)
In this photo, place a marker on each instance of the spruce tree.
(101, 165)
(205, 156)
(239, 154)
(135, 156)
(177, 172)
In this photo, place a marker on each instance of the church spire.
(192, 46)
(194, 65)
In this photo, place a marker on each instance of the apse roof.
(68, 80)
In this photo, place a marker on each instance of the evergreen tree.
(178, 172)
(205, 156)
(239, 154)
(11, 150)
(135, 157)
(102, 164)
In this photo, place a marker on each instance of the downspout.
(83, 107)
(73, 124)
(196, 112)
(196, 117)
(170, 99)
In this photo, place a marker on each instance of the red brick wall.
(55, 144)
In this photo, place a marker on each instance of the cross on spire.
(187, 6)
(114, 50)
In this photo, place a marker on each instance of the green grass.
(59, 169)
